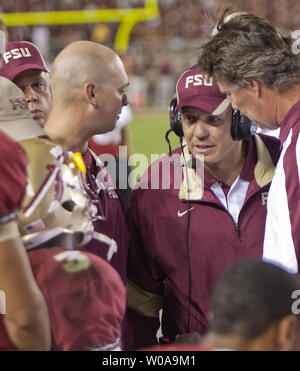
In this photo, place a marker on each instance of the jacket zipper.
(237, 229)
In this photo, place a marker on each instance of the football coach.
(259, 70)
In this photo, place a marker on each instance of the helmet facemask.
(55, 209)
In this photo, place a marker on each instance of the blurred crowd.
(159, 50)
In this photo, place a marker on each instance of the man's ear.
(287, 329)
(254, 87)
(90, 93)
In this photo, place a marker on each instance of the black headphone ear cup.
(241, 126)
(175, 118)
(246, 127)
(235, 125)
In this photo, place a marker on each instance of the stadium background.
(157, 40)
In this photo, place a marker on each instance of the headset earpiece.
(175, 118)
(242, 128)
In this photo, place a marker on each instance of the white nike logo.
(184, 212)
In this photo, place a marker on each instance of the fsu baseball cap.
(15, 117)
(21, 56)
(195, 89)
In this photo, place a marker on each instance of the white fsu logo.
(16, 54)
(264, 198)
(199, 79)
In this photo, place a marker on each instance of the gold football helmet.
(55, 205)
(56, 210)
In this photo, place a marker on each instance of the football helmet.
(56, 210)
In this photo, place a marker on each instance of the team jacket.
(100, 187)
(158, 264)
(282, 238)
(85, 298)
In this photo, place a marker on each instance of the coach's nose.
(30, 95)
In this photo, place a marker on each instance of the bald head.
(81, 62)
(88, 82)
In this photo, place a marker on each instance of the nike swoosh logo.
(184, 212)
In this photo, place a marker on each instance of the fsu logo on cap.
(16, 54)
(198, 79)
(18, 103)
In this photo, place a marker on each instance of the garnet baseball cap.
(15, 117)
(195, 89)
(21, 56)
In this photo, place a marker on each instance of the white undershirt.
(234, 201)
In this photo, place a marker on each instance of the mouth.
(36, 114)
(203, 149)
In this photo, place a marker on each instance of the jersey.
(13, 178)
(85, 299)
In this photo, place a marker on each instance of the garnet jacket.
(158, 263)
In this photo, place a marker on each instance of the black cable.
(170, 149)
(187, 241)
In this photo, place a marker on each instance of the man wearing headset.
(183, 238)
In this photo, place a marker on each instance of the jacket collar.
(263, 173)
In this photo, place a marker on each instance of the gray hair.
(246, 46)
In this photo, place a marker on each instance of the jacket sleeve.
(144, 279)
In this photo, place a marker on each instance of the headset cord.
(187, 241)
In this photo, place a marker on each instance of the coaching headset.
(242, 128)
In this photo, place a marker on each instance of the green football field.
(147, 132)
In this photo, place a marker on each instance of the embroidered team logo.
(16, 54)
(199, 79)
(18, 103)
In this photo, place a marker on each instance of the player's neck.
(66, 129)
